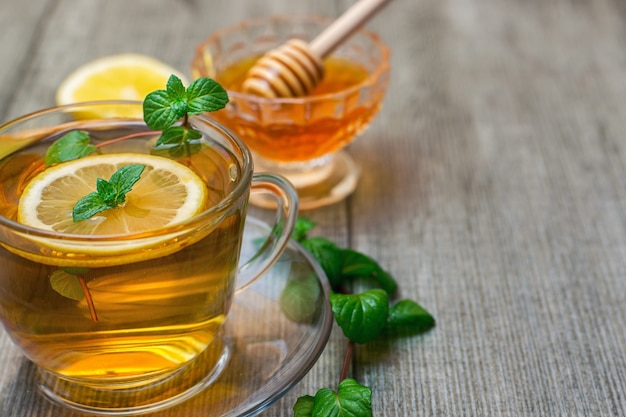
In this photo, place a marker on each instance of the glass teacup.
(146, 332)
(301, 138)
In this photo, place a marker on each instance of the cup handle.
(280, 233)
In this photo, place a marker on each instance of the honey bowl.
(301, 138)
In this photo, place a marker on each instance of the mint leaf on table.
(329, 257)
(362, 317)
(72, 145)
(351, 399)
(341, 264)
(301, 229)
(356, 264)
(409, 317)
(109, 194)
(304, 406)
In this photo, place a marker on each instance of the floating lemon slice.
(166, 194)
(115, 77)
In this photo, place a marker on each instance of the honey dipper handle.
(344, 26)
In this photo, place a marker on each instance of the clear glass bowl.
(301, 138)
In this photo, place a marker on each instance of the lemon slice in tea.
(114, 77)
(166, 194)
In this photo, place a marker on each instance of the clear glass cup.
(145, 333)
(301, 138)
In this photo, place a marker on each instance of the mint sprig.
(362, 317)
(109, 194)
(163, 108)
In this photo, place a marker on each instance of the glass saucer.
(276, 331)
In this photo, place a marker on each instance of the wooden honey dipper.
(295, 68)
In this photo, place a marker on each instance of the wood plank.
(499, 185)
(19, 43)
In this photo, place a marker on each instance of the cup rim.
(242, 185)
(370, 80)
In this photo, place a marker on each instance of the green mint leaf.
(356, 264)
(106, 192)
(67, 284)
(88, 206)
(351, 400)
(160, 110)
(109, 194)
(73, 145)
(205, 95)
(123, 180)
(300, 299)
(177, 135)
(179, 141)
(329, 257)
(304, 406)
(175, 88)
(362, 316)
(301, 229)
(410, 317)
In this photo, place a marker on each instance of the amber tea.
(144, 317)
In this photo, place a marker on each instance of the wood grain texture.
(492, 188)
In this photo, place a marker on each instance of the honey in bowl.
(301, 133)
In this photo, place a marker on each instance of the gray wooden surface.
(492, 188)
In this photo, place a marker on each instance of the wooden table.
(492, 188)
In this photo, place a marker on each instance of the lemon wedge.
(167, 193)
(115, 77)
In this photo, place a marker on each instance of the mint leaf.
(362, 316)
(356, 264)
(205, 95)
(88, 206)
(179, 141)
(175, 88)
(109, 194)
(177, 96)
(72, 145)
(158, 111)
(300, 299)
(329, 257)
(301, 229)
(409, 316)
(304, 406)
(123, 180)
(67, 284)
(162, 108)
(351, 400)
